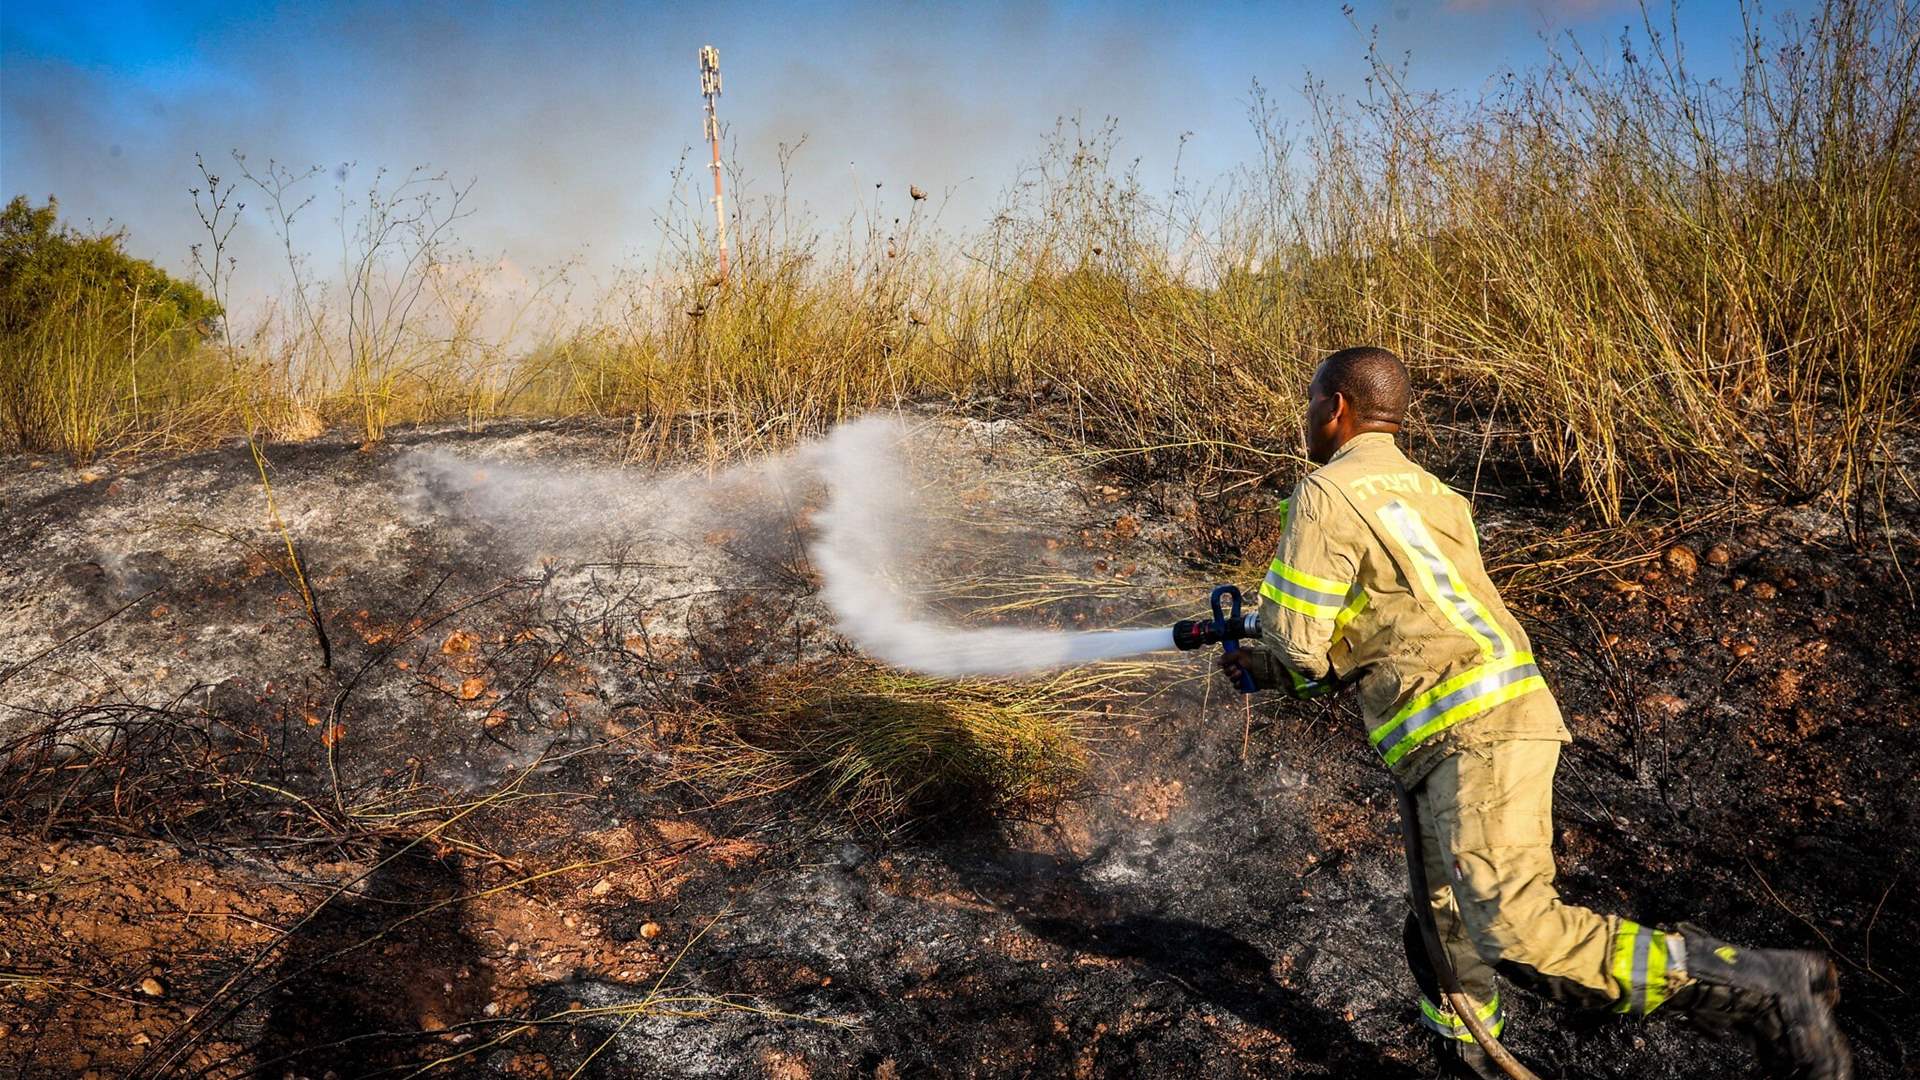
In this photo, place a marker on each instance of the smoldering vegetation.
(516, 622)
(592, 782)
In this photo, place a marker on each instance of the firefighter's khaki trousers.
(1486, 821)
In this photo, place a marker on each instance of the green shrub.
(95, 345)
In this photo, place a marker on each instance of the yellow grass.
(886, 747)
(1674, 293)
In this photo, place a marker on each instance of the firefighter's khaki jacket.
(1379, 574)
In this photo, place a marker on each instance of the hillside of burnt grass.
(494, 838)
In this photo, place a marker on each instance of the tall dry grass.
(1673, 290)
(101, 368)
(1670, 285)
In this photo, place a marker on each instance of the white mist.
(870, 528)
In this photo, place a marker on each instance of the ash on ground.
(469, 837)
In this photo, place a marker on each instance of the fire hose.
(1456, 998)
(1227, 627)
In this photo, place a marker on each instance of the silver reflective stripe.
(1458, 1029)
(1301, 592)
(1642, 945)
(1452, 593)
(1484, 685)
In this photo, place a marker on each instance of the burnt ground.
(471, 840)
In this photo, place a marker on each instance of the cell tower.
(710, 89)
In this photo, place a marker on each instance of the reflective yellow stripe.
(1455, 683)
(1443, 1022)
(1443, 582)
(1356, 603)
(1297, 590)
(1275, 593)
(1311, 581)
(1639, 965)
(1466, 695)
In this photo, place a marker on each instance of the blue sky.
(571, 117)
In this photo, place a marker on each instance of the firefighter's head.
(1354, 391)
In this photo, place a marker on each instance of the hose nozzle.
(1191, 634)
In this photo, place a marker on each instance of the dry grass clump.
(888, 748)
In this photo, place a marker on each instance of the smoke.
(571, 514)
(872, 528)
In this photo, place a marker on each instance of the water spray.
(869, 535)
(871, 525)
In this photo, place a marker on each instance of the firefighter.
(1379, 583)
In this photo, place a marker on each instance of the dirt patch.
(105, 943)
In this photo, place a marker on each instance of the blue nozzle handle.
(1224, 617)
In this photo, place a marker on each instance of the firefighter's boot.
(1465, 1061)
(1781, 999)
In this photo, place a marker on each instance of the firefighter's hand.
(1232, 664)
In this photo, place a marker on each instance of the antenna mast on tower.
(710, 89)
